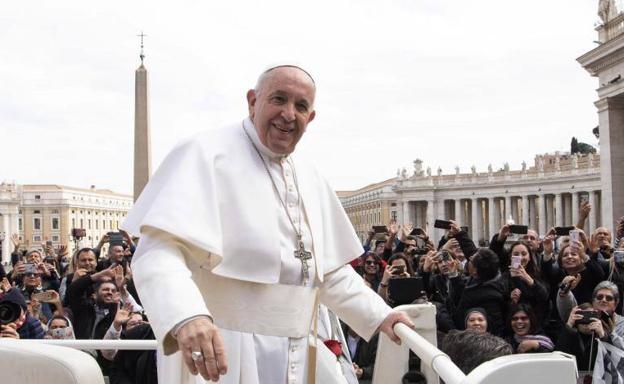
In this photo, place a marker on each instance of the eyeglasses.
(518, 318)
(370, 262)
(32, 275)
(604, 297)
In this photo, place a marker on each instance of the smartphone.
(115, 238)
(380, 229)
(49, 243)
(618, 257)
(43, 296)
(563, 231)
(519, 229)
(442, 224)
(30, 268)
(516, 261)
(417, 231)
(575, 236)
(398, 270)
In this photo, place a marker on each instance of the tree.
(574, 147)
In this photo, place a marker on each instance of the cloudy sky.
(449, 82)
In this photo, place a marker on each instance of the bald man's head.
(281, 106)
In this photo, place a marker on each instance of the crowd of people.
(558, 291)
(50, 294)
(524, 293)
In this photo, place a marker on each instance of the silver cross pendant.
(303, 256)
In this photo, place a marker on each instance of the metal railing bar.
(430, 355)
(99, 344)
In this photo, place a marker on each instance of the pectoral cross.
(303, 256)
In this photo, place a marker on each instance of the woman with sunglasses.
(373, 270)
(605, 298)
(525, 331)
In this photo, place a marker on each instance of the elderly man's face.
(603, 236)
(282, 107)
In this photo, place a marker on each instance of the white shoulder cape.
(213, 192)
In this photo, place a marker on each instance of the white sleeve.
(344, 292)
(163, 281)
(130, 299)
(111, 334)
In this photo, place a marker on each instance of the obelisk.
(142, 150)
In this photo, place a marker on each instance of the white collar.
(249, 127)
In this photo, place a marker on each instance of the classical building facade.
(606, 62)
(40, 212)
(545, 195)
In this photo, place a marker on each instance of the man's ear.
(312, 116)
(251, 102)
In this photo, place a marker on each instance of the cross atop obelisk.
(142, 151)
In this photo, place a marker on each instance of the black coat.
(135, 367)
(489, 295)
(536, 295)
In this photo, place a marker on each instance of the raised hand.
(123, 315)
(15, 241)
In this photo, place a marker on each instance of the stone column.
(558, 210)
(525, 210)
(611, 121)
(475, 220)
(541, 209)
(492, 217)
(406, 213)
(431, 219)
(507, 210)
(575, 207)
(459, 212)
(592, 213)
(6, 247)
(142, 149)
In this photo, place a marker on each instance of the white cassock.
(215, 237)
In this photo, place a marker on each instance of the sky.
(451, 82)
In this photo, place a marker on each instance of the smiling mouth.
(283, 129)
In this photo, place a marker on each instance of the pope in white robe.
(219, 225)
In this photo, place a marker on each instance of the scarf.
(543, 341)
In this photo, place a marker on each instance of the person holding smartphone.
(398, 267)
(523, 281)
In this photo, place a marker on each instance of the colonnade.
(485, 215)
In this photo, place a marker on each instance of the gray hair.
(264, 74)
(607, 285)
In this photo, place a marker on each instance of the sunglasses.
(604, 297)
(370, 262)
(32, 274)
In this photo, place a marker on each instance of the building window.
(37, 197)
(37, 224)
(394, 215)
(103, 224)
(89, 223)
(97, 224)
(56, 238)
(36, 211)
(20, 225)
(73, 223)
(81, 223)
(55, 211)
(55, 223)
(37, 238)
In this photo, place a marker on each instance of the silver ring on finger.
(197, 356)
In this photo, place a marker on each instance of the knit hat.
(14, 295)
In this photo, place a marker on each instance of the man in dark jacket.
(362, 353)
(484, 289)
(135, 367)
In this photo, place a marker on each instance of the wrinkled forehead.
(602, 231)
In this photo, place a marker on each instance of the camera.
(587, 316)
(9, 312)
(30, 268)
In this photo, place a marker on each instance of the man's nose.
(288, 112)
